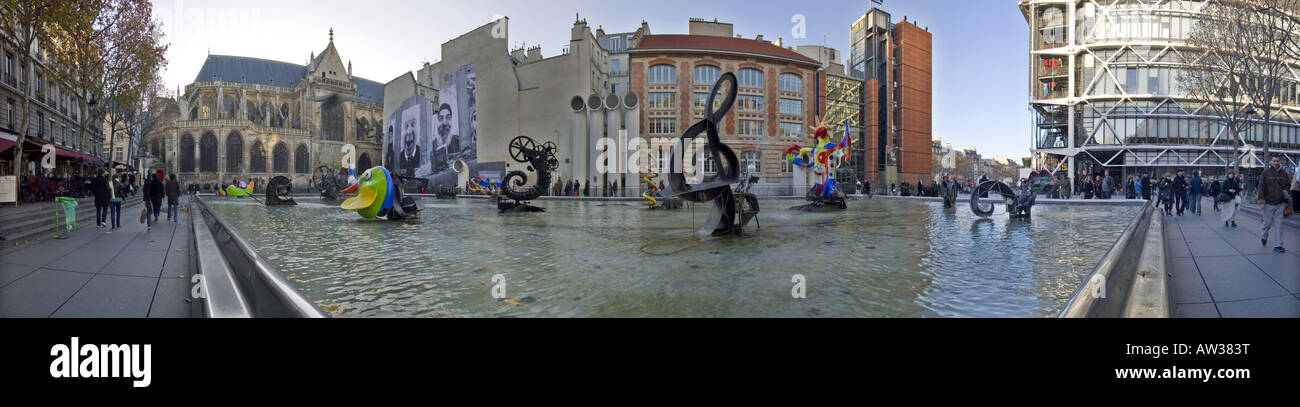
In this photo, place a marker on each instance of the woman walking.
(1167, 194)
(115, 204)
(1231, 187)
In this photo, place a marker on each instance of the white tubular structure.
(613, 129)
(595, 130)
(632, 121)
(579, 159)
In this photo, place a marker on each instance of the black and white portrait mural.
(424, 138)
(408, 135)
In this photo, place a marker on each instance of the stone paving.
(1221, 272)
(128, 273)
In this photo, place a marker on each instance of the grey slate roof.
(267, 72)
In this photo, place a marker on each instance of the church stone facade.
(248, 118)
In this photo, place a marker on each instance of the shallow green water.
(879, 258)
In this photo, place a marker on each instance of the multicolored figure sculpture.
(649, 179)
(236, 191)
(378, 196)
(823, 159)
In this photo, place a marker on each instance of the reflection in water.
(880, 258)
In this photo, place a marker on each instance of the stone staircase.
(30, 222)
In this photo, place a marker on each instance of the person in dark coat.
(1166, 194)
(153, 195)
(1213, 192)
(173, 197)
(1147, 187)
(1180, 193)
(115, 204)
(99, 186)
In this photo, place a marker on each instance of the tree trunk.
(25, 62)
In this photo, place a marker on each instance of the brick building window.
(791, 82)
(707, 75)
(750, 78)
(662, 74)
(663, 126)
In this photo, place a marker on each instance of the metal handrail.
(1081, 303)
(267, 291)
(221, 293)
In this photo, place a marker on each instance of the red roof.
(716, 43)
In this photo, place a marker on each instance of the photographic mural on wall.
(423, 138)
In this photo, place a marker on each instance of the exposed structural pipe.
(579, 134)
(595, 131)
(616, 160)
(239, 283)
(632, 122)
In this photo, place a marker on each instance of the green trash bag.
(69, 207)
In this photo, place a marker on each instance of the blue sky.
(980, 47)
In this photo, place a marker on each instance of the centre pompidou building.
(1107, 86)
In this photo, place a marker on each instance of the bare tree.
(1269, 32)
(1240, 62)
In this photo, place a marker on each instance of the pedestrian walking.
(1166, 194)
(1295, 194)
(115, 203)
(1231, 198)
(147, 213)
(1213, 192)
(1194, 191)
(173, 197)
(1137, 187)
(1107, 186)
(159, 191)
(1274, 191)
(100, 188)
(1180, 193)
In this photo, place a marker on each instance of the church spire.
(331, 34)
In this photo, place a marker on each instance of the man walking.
(1107, 185)
(99, 186)
(1274, 186)
(173, 197)
(1215, 189)
(1194, 193)
(1180, 193)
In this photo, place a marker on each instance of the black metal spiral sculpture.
(540, 160)
(280, 191)
(325, 181)
(723, 218)
(1019, 203)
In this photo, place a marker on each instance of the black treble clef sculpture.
(723, 218)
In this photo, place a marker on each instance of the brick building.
(775, 104)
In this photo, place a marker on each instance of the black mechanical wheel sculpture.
(1019, 203)
(723, 219)
(326, 181)
(551, 149)
(279, 191)
(540, 160)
